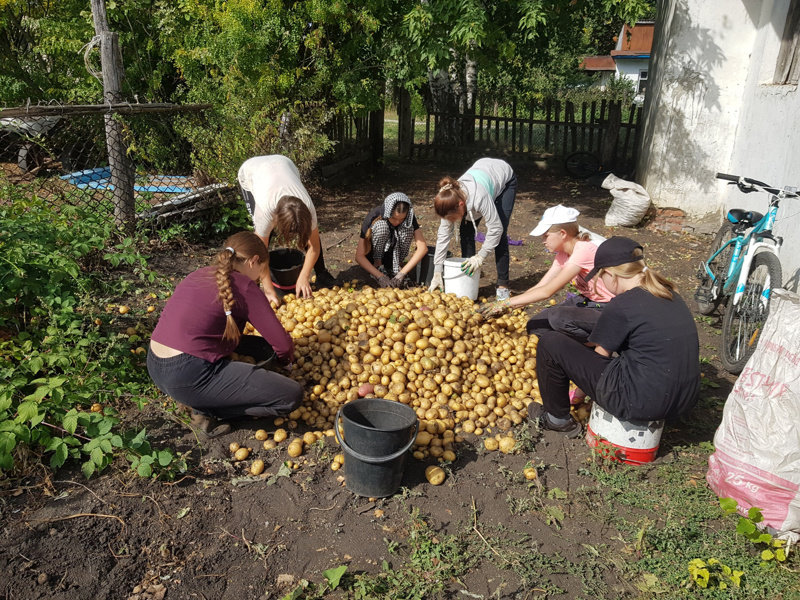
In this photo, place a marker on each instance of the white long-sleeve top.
(494, 174)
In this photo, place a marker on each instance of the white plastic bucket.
(632, 442)
(458, 283)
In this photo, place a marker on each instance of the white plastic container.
(458, 283)
(632, 442)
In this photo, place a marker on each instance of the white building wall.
(701, 51)
(631, 67)
(711, 107)
(767, 143)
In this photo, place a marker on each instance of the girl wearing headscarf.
(386, 236)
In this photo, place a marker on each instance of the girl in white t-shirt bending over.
(574, 258)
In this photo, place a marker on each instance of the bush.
(63, 367)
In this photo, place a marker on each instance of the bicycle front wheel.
(582, 164)
(744, 322)
(709, 291)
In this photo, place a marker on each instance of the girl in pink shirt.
(574, 258)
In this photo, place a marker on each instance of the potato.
(491, 444)
(449, 455)
(309, 438)
(365, 389)
(507, 445)
(339, 458)
(257, 468)
(530, 473)
(234, 447)
(435, 475)
(151, 309)
(295, 449)
(97, 407)
(335, 466)
(131, 331)
(241, 454)
(269, 444)
(261, 435)
(124, 310)
(280, 435)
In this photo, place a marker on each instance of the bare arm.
(553, 281)
(361, 259)
(266, 280)
(602, 351)
(303, 286)
(420, 253)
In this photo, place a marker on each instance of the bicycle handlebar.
(752, 185)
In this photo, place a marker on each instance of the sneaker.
(325, 280)
(503, 293)
(537, 414)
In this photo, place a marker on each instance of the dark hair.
(446, 201)
(293, 220)
(246, 245)
(401, 208)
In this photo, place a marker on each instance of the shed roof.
(598, 63)
(638, 39)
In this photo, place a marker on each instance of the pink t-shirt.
(583, 256)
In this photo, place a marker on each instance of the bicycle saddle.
(744, 217)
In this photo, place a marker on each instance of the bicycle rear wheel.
(744, 322)
(709, 292)
(582, 164)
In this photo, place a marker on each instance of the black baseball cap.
(613, 252)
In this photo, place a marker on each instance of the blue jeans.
(505, 205)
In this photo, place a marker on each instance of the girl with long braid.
(202, 324)
(386, 236)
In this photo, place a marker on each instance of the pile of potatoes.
(428, 350)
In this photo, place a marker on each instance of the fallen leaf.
(184, 511)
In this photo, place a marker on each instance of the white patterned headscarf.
(389, 204)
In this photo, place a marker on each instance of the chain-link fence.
(69, 154)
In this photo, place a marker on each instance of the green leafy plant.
(713, 573)
(775, 551)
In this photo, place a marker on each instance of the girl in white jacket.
(486, 191)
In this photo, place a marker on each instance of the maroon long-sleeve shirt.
(193, 321)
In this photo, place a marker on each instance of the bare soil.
(217, 534)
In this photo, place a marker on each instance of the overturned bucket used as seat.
(378, 434)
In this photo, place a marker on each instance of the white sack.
(757, 457)
(630, 203)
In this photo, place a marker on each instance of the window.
(787, 71)
(642, 85)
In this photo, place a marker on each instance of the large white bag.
(757, 457)
(630, 202)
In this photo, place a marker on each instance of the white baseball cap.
(555, 215)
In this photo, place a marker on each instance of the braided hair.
(240, 247)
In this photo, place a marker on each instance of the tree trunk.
(471, 85)
(443, 102)
(610, 134)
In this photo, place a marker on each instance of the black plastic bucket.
(285, 265)
(259, 348)
(423, 272)
(378, 434)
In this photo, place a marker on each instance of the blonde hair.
(245, 245)
(449, 196)
(293, 221)
(652, 281)
(572, 230)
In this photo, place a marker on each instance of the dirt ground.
(216, 534)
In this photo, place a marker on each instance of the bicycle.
(741, 271)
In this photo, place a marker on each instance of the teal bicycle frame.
(740, 265)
